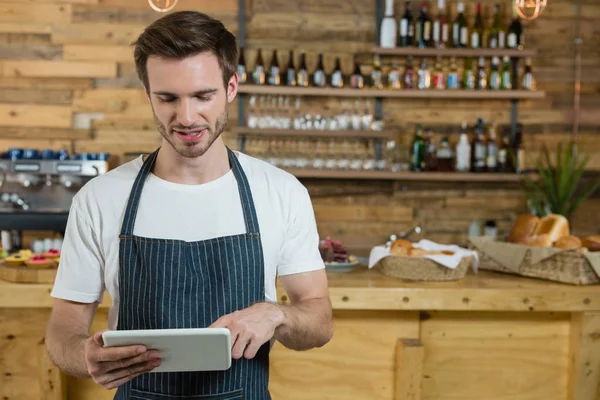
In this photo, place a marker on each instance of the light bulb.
(162, 5)
(530, 9)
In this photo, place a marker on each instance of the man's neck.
(212, 165)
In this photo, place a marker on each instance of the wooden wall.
(65, 61)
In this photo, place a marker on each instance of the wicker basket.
(421, 268)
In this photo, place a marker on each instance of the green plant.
(558, 189)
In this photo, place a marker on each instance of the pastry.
(39, 261)
(52, 254)
(568, 242)
(15, 260)
(399, 251)
(539, 241)
(554, 225)
(400, 247)
(523, 228)
(417, 253)
(591, 242)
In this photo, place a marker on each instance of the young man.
(192, 235)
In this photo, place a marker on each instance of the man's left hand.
(251, 328)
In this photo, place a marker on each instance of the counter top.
(363, 289)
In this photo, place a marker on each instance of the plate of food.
(336, 256)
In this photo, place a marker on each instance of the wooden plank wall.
(62, 60)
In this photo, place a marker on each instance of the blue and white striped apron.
(165, 283)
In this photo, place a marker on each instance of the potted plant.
(559, 189)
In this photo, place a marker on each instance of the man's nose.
(186, 113)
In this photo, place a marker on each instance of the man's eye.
(167, 99)
(203, 98)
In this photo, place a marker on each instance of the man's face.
(189, 101)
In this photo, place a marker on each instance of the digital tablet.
(197, 349)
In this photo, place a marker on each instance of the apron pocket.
(136, 394)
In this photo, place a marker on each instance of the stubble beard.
(191, 149)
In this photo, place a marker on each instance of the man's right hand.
(114, 366)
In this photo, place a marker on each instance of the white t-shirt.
(89, 262)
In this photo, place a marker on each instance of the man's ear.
(232, 87)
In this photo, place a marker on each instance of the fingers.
(239, 345)
(117, 353)
(252, 349)
(119, 382)
(119, 376)
(98, 338)
(221, 322)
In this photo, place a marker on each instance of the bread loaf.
(554, 225)
(523, 228)
(591, 242)
(568, 242)
(539, 241)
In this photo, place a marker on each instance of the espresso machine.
(37, 187)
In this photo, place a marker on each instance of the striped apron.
(166, 284)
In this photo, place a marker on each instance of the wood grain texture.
(410, 356)
(59, 69)
(44, 133)
(30, 52)
(45, 83)
(35, 12)
(96, 34)
(584, 368)
(75, 52)
(35, 115)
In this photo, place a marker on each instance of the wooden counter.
(489, 336)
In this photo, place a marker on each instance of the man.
(192, 235)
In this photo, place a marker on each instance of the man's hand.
(114, 366)
(251, 328)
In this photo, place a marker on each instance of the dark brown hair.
(184, 34)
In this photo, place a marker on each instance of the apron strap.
(133, 203)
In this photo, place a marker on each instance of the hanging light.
(162, 5)
(530, 9)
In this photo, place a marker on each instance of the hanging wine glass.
(162, 5)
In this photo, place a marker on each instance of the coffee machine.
(37, 187)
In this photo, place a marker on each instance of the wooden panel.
(45, 83)
(35, 115)
(35, 13)
(35, 143)
(97, 53)
(33, 96)
(55, 1)
(52, 382)
(59, 69)
(584, 369)
(109, 100)
(30, 52)
(362, 213)
(96, 34)
(409, 369)
(25, 27)
(207, 6)
(474, 356)
(43, 133)
(338, 370)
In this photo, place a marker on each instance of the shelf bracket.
(241, 38)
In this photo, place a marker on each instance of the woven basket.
(421, 268)
(567, 267)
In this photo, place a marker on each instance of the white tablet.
(197, 349)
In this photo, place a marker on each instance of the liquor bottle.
(438, 75)
(519, 151)
(418, 150)
(491, 163)
(424, 75)
(357, 80)
(478, 30)
(241, 69)
(445, 156)
(337, 76)
(460, 30)
(318, 77)
(274, 77)
(463, 151)
(376, 75)
(430, 161)
(481, 82)
(469, 75)
(290, 73)
(423, 28)
(504, 164)
(388, 30)
(259, 69)
(528, 82)
(440, 27)
(407, 28)
(302, 73)
(478, 155)
(515, 32)
(409, 74)
(494, 81)
(506, 81)
(393, 77)
(453, 81)
(497, 34)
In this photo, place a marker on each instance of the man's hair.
(184, 34)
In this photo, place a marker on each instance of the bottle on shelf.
(406, 29)
(393, 77)
(274, 77)
(504, 154)
(290, 73)
(481, 82)
(506, 81)
(515, 31)
(440, 27)
(408, 78)
(519, 151)
(528, 81)
(444, 155)
(430, 160)
(302, 72)
(241, 69)
(356, 79)
(453, 82)
(438, 75)
(388, 34)
(494, 80)
(463, 151)
(460, 29)
(491, 163)
(318, 77)
(337, 76)
(259, 69)
(423, 28)
(424, 75)
(478, 149)
(376, 74)
(497, 33)
(418, 150)
(478, 30)
(469, 75)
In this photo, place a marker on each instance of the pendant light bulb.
(162, 5)
(530, 9)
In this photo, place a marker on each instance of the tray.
(421, 268)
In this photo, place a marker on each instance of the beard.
(193, 149)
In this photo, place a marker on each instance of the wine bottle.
(478, 29)
(440, 27)
(241, 69)
(453, 82)
(424, 75)
(406, 29)
(481, 82)
(491, 163)
(302, 73)
(460, 30)
(376, 75)
(409, 73)
(494, 81)
(274, 77)
(291, 71)
(357, 79)
(423, 28)
(528, 82)
(497, 34)
(393, 77)
(318, 77)
(418, 150)
(438, 75)
(469, 75)
(387, 32)
(506, 81)
(504, 154)
(337, 76)
(515, 32)
(478, 149)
